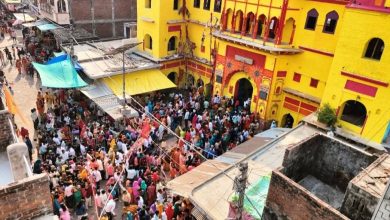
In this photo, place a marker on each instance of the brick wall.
(327, 159)
(26, 199)
(5, 130)
(358, 204)
(124, 9)
(81, 10)
(288, 200)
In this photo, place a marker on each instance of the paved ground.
(24, 88)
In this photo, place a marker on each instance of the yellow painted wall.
(349, 58)
(347, 44)
(317, 39)
(153, 21)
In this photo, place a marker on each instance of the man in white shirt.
(56, 140)
(131, 173)
(67, 120)
(98, 177)
(72, 152)
(140, 202)
(110, 208)
(82, 149)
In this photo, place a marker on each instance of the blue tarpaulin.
(47, 27)
(61, 57)
(59, 74)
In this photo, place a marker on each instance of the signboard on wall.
(243, 59)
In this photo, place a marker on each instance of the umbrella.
(17, 22)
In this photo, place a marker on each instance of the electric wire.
(151, 116)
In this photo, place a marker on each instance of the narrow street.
(24, 88)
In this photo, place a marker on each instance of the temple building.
(289, 57)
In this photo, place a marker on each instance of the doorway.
(172, 77)
(354, 112)
(287, 121)
(243, 90)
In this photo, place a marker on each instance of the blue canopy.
(59, 74)
(61, 57)
(47, 27)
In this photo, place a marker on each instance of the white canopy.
(24, 17)
(106, 100)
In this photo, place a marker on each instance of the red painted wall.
(361, 88)
(174, 28)
(258, 59)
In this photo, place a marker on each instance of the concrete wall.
(327, 159)
(16, 154)
(26, 199)
(108, 15)
(288, 200)
(5, 130)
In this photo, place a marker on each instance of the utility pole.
(240, 186)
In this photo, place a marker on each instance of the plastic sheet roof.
(59, 74)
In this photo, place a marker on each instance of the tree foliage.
(327, 115)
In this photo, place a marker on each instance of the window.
(217, 5)
(311, 19)
(175, 4)
(330, 22)
(375, 49)
(148, 42)
(206, 4)
(297, 77)
(313, 83)
(148, 3)
(61, 6)
(172, 44)
(196, 3)
(278, 90)
(218, 79)
(263, 95)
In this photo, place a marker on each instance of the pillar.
(255, 28)
(16, 153)
(233, 23)
(282, 19)
(244, 23)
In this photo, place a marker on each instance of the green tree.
(327, 115)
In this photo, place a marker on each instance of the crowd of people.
(100, 168)
(94, 162)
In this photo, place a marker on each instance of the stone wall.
(288, 200)
(5, 130)
(26, 199)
